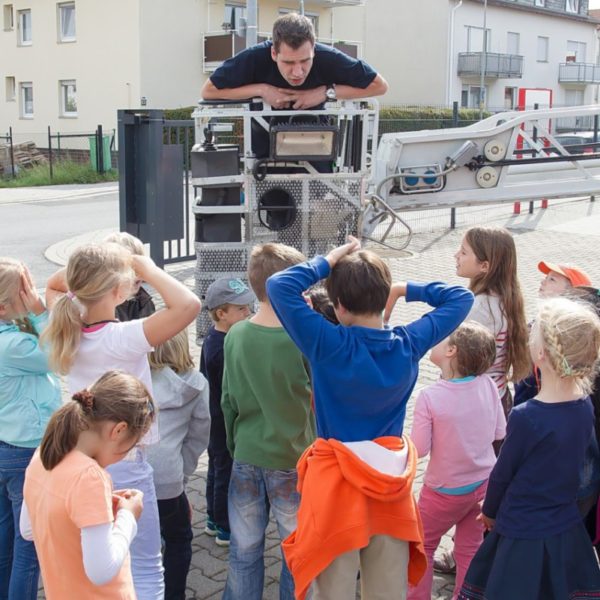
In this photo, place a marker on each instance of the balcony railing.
(574, 72)
(221, 45)
(496, 65)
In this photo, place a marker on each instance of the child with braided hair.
(82, 530)
(538, 547)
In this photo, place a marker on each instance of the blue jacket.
(29, 392)
(362, 377)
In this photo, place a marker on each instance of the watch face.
(330, 93)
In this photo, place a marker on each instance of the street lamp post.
(482, 98)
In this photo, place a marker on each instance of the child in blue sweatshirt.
(363, 373)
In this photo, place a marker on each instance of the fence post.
(536, 106)
(12, 153)
(58, 145)
(99, 150)
(455, 114)
(592, 197)
(453, 218)
(50, 151)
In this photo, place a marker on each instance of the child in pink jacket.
(456, 420)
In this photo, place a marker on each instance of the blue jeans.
(219, 473)
(253, 492)
(19, 568)
(176, 531)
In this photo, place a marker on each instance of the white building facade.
(431, 51)
(71, 65)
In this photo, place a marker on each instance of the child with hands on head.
(82, 529)
(29, 394)
(85, 340)
(538, 546)
(456, 420)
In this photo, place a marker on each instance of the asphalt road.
(28, 228)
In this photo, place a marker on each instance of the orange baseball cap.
(574, 274)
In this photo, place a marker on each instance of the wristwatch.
(330, 95)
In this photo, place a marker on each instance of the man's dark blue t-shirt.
(255, 65)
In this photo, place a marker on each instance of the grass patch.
(63, 173)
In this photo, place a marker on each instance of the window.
(235, 16)
(513, 41)
(510, 97)
(540, 3)
(475, 39)
(9, 23)
(68, 98)
(25, 28)
(542, 48)
(577, 50)
(574, 97)
(27, 100)
(572, 6)
(10, 87)
(470, 96)
(66, 22)
(312, 17)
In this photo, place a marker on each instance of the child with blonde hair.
(139, 304)
(81, 528)
(456, 420)
(86, 340)
(29, 394)
(183, 423)
(538, 546)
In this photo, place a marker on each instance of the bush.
(63, 172)
(179, 114)
(415, 118)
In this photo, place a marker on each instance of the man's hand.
(292, 98)
(398, 290)
(304, 99)
(277, 97)
(334, 256)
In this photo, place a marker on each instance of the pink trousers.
(439, 513)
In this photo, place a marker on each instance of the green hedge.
(179, 114)
(415, 118)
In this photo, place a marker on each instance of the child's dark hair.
(266, 260)
(322, 304)
(360, 282)
(475, 348)
(116, 396)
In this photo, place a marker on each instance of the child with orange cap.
(560, 278)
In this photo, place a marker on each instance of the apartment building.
(431, 51)
(71, 64)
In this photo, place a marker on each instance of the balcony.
(221, 45)
(500, 66)
(574, 72)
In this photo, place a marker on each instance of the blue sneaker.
(222, 538)
(211, 528)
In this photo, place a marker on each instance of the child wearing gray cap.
(228, 301)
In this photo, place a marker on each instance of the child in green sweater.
(266, 404)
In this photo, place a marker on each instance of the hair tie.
(150, 406)
(566, 367)
(71, 296)
(85, 398)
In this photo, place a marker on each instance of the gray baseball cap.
(228, 291)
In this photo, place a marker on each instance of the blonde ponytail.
(92, 272)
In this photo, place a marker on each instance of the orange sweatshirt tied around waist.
(344, 502)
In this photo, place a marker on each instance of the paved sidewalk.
(57, 192)
(567, 233)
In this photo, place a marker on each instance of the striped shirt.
(488, 311)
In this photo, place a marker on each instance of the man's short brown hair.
(266, 260)
(475, 348)
(360, 282)
(293, 30)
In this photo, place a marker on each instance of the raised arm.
(181, 304)
(452, 304)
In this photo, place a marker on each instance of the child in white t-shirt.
(85, 341)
